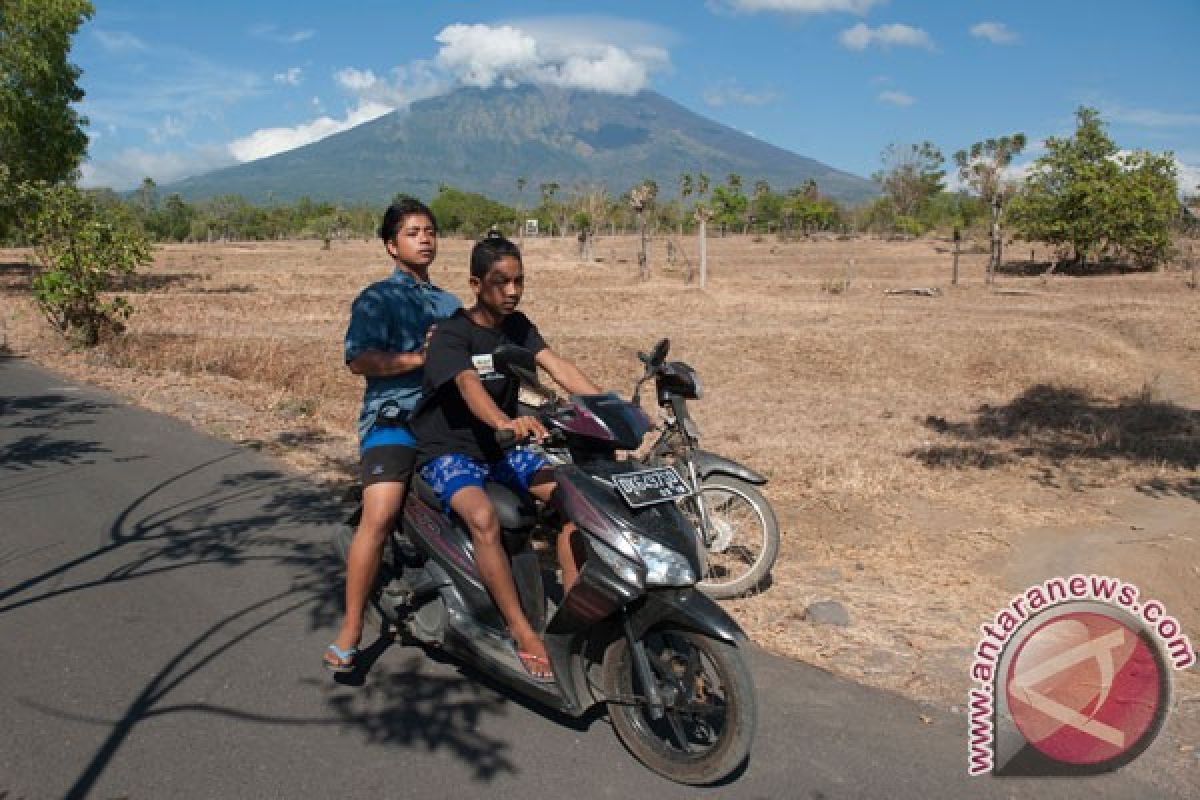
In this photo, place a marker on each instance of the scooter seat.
(515, 511)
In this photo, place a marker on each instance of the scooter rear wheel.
(742, 539)
(707, 725)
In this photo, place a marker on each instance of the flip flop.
(345, 659)
(530, 661)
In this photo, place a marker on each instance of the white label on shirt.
(483, 364)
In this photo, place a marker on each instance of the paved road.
(164, 599)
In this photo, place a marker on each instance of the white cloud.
(860, 37)
(403, 86)
(127, 169)
(1189, 178)
(355, 80)
(897, 98)
(293, 76)
(171, 127)
(119, 41)
(506, 55)
(994, 32)
(577, 52)
(859, 7)
(269, 141)
(730, 93)
(1151, 118)
(273, 33)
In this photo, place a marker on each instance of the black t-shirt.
(443, 423)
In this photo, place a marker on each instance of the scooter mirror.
(657, 356)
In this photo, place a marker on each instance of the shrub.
(80, 249)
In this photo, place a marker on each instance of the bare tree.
(702, 215)
(521, 181)
(912, 174)
(982, 168)
(685, 191)
(642, 197)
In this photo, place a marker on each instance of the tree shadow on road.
(1051, 427)
(42, 416)
(211, 516)
(404, 708)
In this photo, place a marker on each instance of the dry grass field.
(928, 456)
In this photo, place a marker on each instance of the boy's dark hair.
(393, 218)
(489, 250)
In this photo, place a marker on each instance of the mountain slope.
(483, 140)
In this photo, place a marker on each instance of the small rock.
(827, 612)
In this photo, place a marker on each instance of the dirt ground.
(928, 456)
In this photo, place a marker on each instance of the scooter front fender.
(685, 608)
(708, 463)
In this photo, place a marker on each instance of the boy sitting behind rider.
(465, 402)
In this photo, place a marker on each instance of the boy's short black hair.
(489, 250)
(393, 218)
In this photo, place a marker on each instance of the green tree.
(1084, 196)
(729, 205)
(549, 208)
(686, 187)
(1144, 206)
(41, 135)
(469, 212)
(147, 195)
(174, 220)
(82, 249)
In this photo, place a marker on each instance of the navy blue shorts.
(388, 456)
(447, 474)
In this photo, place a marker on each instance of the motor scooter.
(633, 632)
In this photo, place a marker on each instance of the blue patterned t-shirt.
(393, 316)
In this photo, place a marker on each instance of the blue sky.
(175, 89)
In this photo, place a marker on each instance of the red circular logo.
(1085, 688)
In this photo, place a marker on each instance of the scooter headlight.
(625, 569)
(664, 566)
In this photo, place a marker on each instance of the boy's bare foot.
(340, 655)
(532, 652)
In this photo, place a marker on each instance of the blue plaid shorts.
(449, 473)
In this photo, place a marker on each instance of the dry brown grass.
(911, 442)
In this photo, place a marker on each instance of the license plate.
(649, 486)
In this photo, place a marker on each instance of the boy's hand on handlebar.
(526, 428)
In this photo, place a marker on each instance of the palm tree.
(685, 191)
(548, 190)
(521, 181)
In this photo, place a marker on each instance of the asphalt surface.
(165, 598)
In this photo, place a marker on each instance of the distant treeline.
(730, 209)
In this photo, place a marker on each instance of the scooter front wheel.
(702, 732)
